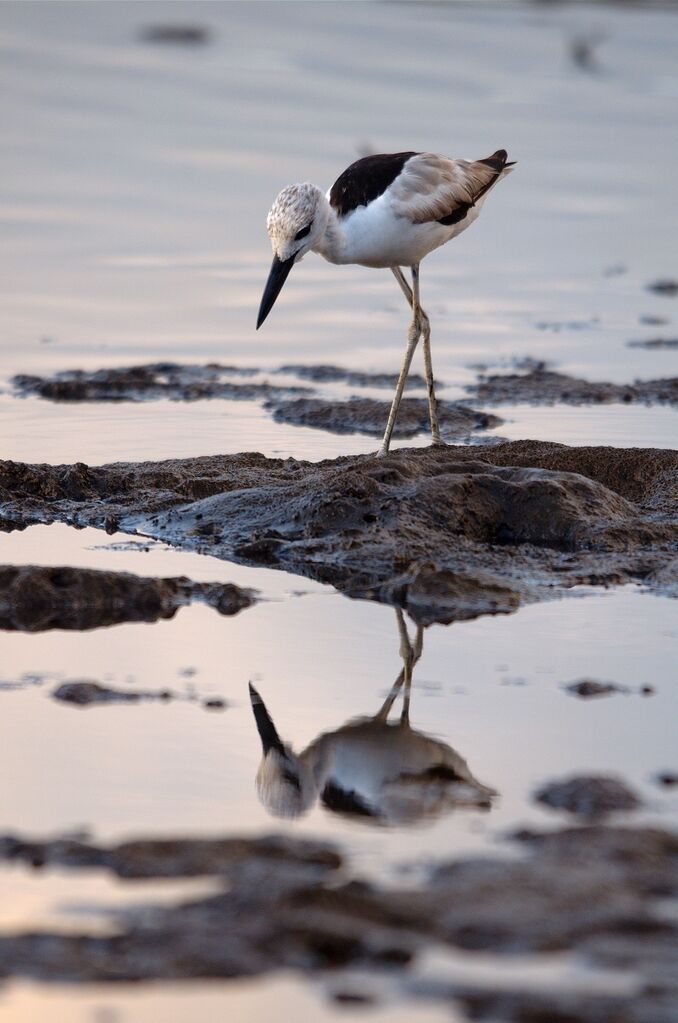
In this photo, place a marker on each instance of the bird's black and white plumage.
(382, 771)
(386, 211)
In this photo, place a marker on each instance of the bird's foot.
(383, 451)
(438, 442)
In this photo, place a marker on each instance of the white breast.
(376, 236)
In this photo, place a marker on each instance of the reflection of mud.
(592, 891)
(150, 382)
(543, 387)
(442, 532)
(33, 598)
(328, 374)
(365, 415)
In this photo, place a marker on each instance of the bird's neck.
(332, 242)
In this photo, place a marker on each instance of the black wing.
(365, 180)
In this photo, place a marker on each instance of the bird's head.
(296, 221)
(286, 786)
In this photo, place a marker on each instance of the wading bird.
(383, 772)
(384, 211)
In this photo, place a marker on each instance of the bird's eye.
(303, 233)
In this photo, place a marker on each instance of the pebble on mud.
(665, 286)
(589, 796)
(587, 687)
(214, 703)
(86, 693)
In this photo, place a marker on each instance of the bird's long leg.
(425, 326)
(426, 345)
(413, 336)
(405, 651)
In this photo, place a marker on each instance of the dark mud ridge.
(192, 382)
(544, 387)
(365, 415)
(443, 532)
(599, 893)
(35, 598)
(152, 381)
(329, 374)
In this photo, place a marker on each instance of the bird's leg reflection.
(379, 771)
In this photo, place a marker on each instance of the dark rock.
(587, 796)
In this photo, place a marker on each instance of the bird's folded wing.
(432, 187)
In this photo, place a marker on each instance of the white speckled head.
(296, 220)
(296, 223)
(286, 786)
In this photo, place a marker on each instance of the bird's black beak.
(267, 733)
(280, 269)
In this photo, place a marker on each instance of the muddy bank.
(446, 533)
(35, 598)
(151, 382)
(597, 892)
(364, 415)
(542, 386)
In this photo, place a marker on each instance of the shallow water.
(136, 180)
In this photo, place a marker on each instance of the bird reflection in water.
(380, 771)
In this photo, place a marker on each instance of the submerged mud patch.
(441, 532)
(542, 386)
(364, 415)
(592, 891)
(329, 374)
(590, 797)
(150, 382)
(34, 598)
